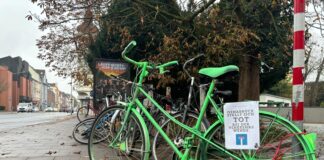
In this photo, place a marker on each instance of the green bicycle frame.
(195, 131)
(135, 102)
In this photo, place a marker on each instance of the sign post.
(242, 128)
(298, 63)
(298, 67)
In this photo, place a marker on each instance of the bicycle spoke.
(162, 150)
(276, 142)
(105, 145)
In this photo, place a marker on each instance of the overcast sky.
(18, 36)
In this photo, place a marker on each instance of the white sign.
(242, 125)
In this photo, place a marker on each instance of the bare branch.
(200, 10)
(318, 18)
(158, 10)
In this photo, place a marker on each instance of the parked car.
(55, 109)
(49, 109)
(25, 107)
(35, 109)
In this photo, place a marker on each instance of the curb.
(56, 120)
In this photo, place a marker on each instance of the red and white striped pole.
(298, 63)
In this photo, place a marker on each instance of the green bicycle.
(128, 136)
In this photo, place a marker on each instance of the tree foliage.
(69, 27)
(283, 88)
(225, 31)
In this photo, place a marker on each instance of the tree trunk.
(308, 67)
(249, 85)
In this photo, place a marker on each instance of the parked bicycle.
(128, 135)
(91, 111)
(82, 130)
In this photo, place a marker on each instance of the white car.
(49, 109)
(25, 107)
(35, 109)
(55, 109)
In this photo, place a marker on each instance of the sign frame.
(242, 125)
(102, 79)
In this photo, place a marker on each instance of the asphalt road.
(12, 120)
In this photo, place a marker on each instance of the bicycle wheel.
(82, 114)
(81, 131)
(161, 149)
(129, 145)
(276, 142)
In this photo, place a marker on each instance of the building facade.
(50, 98)
(35, 86)
(65, 102)
(56, 91)
(44, 89)
(6, 89)
(21, 80)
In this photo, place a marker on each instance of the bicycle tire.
(104, 127)
(82, 114)
(275, 133)
(160, 148)
(82, 130)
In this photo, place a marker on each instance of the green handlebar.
(168, 64)
(161, 67)
(128, 48)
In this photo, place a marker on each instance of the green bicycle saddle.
(214, 72)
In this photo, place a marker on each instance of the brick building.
(21, 79)
(21, 84)
(6, 88)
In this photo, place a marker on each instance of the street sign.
(242, 125)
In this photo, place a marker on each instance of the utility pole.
(298, 63)
(71, 96)
(298, 69)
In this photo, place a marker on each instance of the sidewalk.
(53, 141)
(48, 141)
(5, 112)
